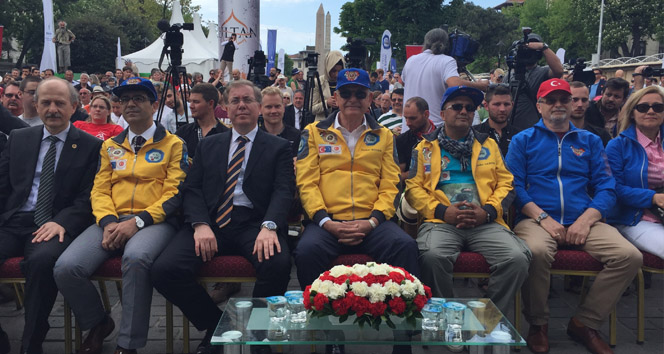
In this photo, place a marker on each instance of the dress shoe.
(5, 348)
(120, 350)
(223, 291)
(538, 340)
(588, 337)
(95, 340)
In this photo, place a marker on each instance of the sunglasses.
(644, 107)
(459, 106)
(11, 95)
(552, 100)
(359, 94)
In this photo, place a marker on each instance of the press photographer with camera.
(523, 58)
(431, 72)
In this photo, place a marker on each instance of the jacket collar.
(159, 134)
(480, 137)
(630, 133)
(328, 122)
(540, 125)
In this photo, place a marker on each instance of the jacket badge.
(578, 152)
(371, 139)
(329, 137)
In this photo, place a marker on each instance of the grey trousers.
(82, 258)
(64, 57)
(508, 256)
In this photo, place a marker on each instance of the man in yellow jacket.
(347, 176)
(460, 186)
(134, 199)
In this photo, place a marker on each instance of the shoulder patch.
(154, 156)
(303, 149)
(578, 152)
(371, 139)
(484, 153)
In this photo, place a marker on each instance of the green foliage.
(288, 64)
(94, 49)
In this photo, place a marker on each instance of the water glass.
(277, 308)
(243, 309)
(431, 317)
(454, 313)
(297, 312)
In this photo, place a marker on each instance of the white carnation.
(315, 285)
(360, 288)
(325, 286)
(377, 293)
(380, 269)
(337, 291)
(393, 289)
(340, 270)
(361, 270)
(408, 289)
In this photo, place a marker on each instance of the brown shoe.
(538, 340)
(223, 291)
(588, 337)
(95, 340)
(120, 350)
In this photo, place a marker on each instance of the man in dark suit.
(46, 174)
(293, 115)
(240, 208)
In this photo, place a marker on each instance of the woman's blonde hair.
(626, 117)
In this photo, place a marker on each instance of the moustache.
(53, 115)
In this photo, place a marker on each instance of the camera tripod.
(313, 81)
(173, 74)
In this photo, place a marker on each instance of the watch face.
(139, 222)
(270, 225)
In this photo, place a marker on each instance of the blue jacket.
(564, 176)
(629, 164)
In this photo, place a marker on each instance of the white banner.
(385, 51)
(48, 55)
(119, 63)
(241, 17)
(282, 59)
(560, 53)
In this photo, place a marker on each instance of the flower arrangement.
(373, 292)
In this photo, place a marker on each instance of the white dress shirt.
(239, 198)
(147, 135)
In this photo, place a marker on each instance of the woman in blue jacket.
(636, 157)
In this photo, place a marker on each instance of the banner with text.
(241, 17)
(48, 55)
(271, 49)
(386, 51)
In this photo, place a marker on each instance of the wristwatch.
(544, 47)
(139, 222)
(270, 225)
(541, 217)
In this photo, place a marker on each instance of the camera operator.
(334, 62)
(423, 72)
(526, 113)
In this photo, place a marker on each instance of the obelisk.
(328, 22)
(320, 32)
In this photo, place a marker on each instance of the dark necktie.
(44, 207)
(234, 168)
(137, 142)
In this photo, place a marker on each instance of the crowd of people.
(91, 170)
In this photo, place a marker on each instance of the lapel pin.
(74, 146)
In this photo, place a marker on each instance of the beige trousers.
(604, 243)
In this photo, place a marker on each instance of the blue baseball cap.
(455, 91)
(137, 83)
(353, 76)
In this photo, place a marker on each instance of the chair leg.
(185, 334)
(19, 295)
(169, 327)
(640, 309)
(584, 289)
(104, 296)
(67, 311)
(612, 328)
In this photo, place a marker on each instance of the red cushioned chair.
(651, 264)
(10, 273)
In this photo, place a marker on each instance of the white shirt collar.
(251, 135)
(338, 126)
(147, 135)
(61, 135)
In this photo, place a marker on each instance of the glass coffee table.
(249, 324)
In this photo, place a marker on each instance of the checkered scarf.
(461, 150)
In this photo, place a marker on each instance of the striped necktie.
(234, 168)
(44, 206)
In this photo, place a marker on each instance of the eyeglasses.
(459, 106)
(644, 107)
(582, 99)
(359, 94)
(136, 99)
(11, 95)
(287, 97)
(552, 100)
(397, 100)
(247, 100)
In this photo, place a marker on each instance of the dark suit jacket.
(269, 179)
(74, 176)
(289, 117)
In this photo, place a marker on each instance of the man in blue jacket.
(564, 189)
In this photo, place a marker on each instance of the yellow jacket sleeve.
(416, 192)
(308, 176)
(103, 207)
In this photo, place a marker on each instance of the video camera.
(257, 64)
(650, 72)
(311, 61)
(174, 39)
(578, 72)
(357, 52)
(462, 47)
(519, 56)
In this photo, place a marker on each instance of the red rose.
(307, 297)
(369, 279)
(420, 301)
(340, 280)
(354, 278)
(397, 277)
(377, 309)
(427, 291)
(340, 307)
(319, 301)
(397, 305)
(360, 305)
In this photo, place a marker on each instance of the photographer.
(423, 72)
(526, 115)
(334, 62)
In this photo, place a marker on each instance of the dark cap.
(353, 76)
(474, 94)
(137, 84)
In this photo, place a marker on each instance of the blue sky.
(295, 20)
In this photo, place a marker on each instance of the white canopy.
(196, 57)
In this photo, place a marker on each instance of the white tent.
(196, 57)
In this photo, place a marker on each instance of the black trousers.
(37, 267)
(174, 272)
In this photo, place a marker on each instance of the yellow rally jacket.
(493, 180)
(144, 184)
(334, 184)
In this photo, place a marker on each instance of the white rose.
(325, 286)
(408, 289)
(340, 270)
(377, 293)
(337, 291)
(380, 269)
(360, 288)
(315, 285)
(393, 289)
(360, 269)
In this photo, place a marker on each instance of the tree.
(94, 49)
